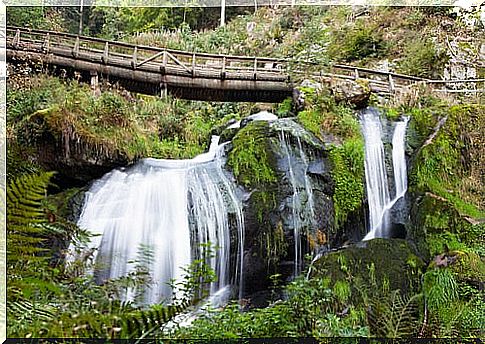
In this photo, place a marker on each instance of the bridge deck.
(189, 75)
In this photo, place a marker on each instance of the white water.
(168, 207)
(376, 175)
(260, 116)
(308, 184)
(399, 159)
(301, 214)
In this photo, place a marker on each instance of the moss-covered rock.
(437, 227)
(60, 125)
(286, 173)
(392, 264)
(251, 159)
(349, 91)
(448, 210)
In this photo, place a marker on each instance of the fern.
(394, 315)
(24, 212)
(25, 234)
(30, 312)
(145, 322)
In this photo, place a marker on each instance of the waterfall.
(302, 214)
(157, 213)
(375, 173)
(376, 178)
(308, 185)
(399, 159)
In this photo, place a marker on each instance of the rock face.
(80, 167)
(434, 219)
(298, 198)
(77, 162)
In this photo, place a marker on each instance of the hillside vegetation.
(58, 124)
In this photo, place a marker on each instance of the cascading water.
(399, 159)
(165, 208)
(308, 184)
(302, 214)
(375, 171)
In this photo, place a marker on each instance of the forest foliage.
(49, 298)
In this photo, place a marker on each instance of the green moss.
(451, 164)
(311, 121)
(111, 125)
(438, 227)
(469, 266)
(324, 118)
(442, 242)
(380, 263)
(348, 175)
(250, 157)
(392, 114)
(251, 160)
(284, 109)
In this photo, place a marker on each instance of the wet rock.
(300, 198)
(80, 167)
(259, 116)
(375, 263)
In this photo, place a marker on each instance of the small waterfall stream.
(399, 159)
(376, 177)
(302, 214)
(164, 210)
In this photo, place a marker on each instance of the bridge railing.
(146, 57)
(216, 66)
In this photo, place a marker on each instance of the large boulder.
(389, 263)
(436, 226)
(350, 91)
(286, 173)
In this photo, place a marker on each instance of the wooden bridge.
(190, 75)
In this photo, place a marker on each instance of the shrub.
(357, 42)
(422, 58)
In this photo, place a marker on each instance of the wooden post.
(75, 49)
(95, 83)
(223, 12)
(255, 68)
(106, 53)
(16, 38)
(163, 67)
(391, 84)
(223, 72)
(46, 43)
(135, 56)
(193, 64)
(163, 89)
